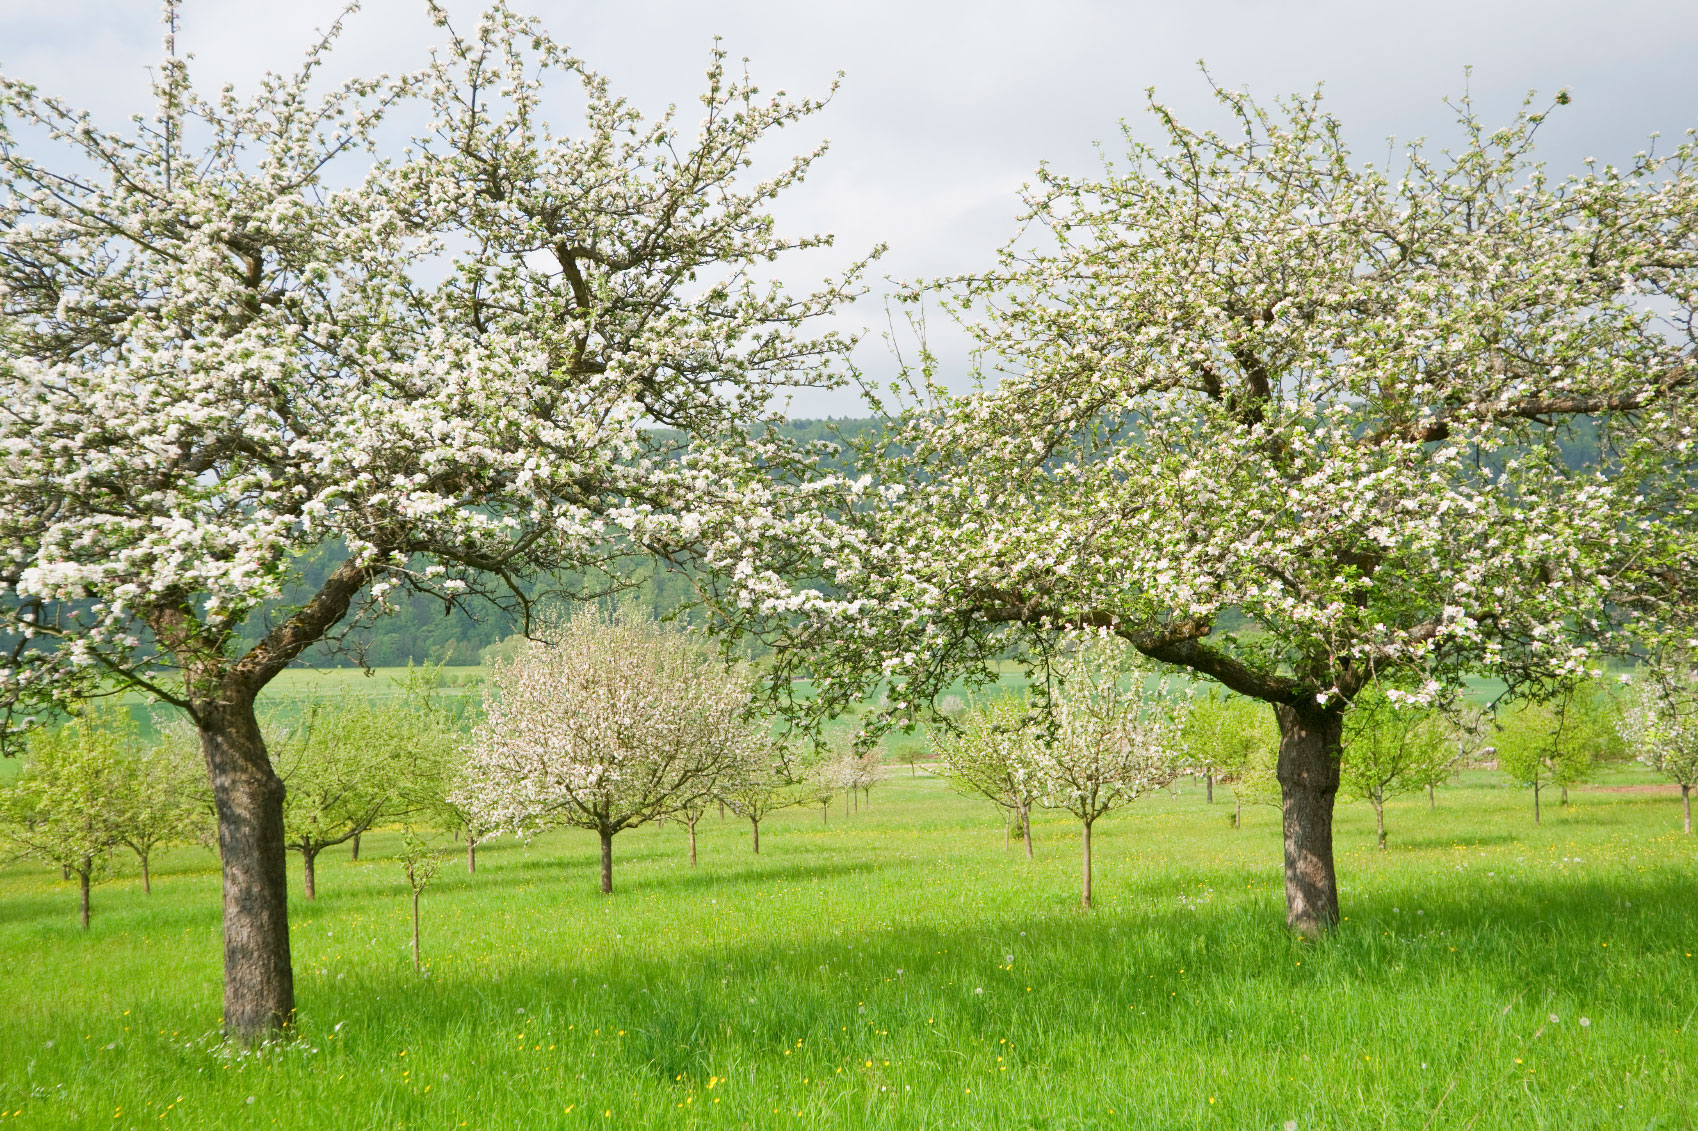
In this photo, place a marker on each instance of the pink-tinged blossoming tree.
(235, 338)
(605, 723)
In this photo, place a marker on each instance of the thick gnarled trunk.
(1309, 744)
(259, 986)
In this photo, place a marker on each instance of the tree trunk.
(607, 862)
(356, 855)
(755, 826)
(415, 930)
(722, 810)
(913, 769)
(825, 812)
(259, 985)
(855, 796)
(1085, 885)
(309, 872)
(1309, 743)
(1686, 803)
(1026, 827)
(1007, 832)
(1209, 788)
(1237, 809)
(1380, 821)
(83, 882)
(692, 824)
(147, 880)
(1431, 803)
(1535, 803)
(1562, 802)
(471, 855)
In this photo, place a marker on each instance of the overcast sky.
(946, 107)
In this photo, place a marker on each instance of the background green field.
(897, 968)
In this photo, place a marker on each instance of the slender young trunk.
(1562, 802)
(1209, 788)
(1237, 809)
(1535, 803)
(855, 796)
(825, 812)
(259, 984)
(356, 854)
(147, 880)
(913, 769)
(1686, 804)
(692, 824)
(471, 854)
(607, 861)
(415, 930)
(1380, 820)
(1085, 888)
(1007, 832)
(755, 827)
(1431, 803)
(65, 872)
(83, 881)
(1309, 742)
(309, 871)
(722, 810)
(1026, 827)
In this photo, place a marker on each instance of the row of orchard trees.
(1103, 730)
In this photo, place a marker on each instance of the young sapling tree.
(1392, 747)
(1111, 737)
(992, 753)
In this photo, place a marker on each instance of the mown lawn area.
(898, 968)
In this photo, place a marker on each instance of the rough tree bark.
(1085, 886)
(755, 825)
(259, 986)
(356, 853)
(309, 872)
(1310, 739)
(607, 861)
(147, 879)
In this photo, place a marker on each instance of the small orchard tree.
(1660, 725)
(344, 766)
(1557, 741)
(159, 799)
(233, 342)
(611, 720)
(1392, 747)
(774, 774)
(67, 806)
(1287, 419)
(437, 728)
(1112, 738)
(1234, 737)
(992, 753)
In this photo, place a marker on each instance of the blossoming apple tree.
(1277, 417)
(605, 724)
(236, 336)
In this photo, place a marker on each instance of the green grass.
(899, 969)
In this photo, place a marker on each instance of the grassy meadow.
(898, 968)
